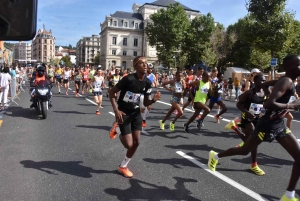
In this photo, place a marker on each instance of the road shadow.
(107, 128)
(227, 135)
(154, 192)
(27, 113)
(193, 147)
(69, 167)
(174, 162)
(266, 160)
(163, 134)
(69, 112)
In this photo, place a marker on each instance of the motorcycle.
(42, 98)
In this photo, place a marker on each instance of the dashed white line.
(231, 182)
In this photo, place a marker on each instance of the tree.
(197, 39)
(270, 25)
(97, 58)
(166, 30)
(66, 61)
(260, 59)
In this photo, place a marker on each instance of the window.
(50, 41)
(115, 23)
(45, 46)
(124, 41)
(39, 47)
(126, 24)
(113, 62)
(39, 53)
(124, 53)
(45, 53)
(135, 53)
(39, 40)
(124, 64)
(135, 42)
(136, 25)
(113, 52)
(114, 41)
(45, 40)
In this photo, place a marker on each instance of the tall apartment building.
(86, 50)
(123, 34)
(22, 52)
(43, 46)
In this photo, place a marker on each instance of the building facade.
(86, 50)
(43, 46)
(123, 34)
(22, 52)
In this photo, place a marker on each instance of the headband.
(137, 60)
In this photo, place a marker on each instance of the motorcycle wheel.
(44, 109)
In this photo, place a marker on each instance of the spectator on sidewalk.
(237, 87)
(250, 82)
(230, 87)
(5, 78)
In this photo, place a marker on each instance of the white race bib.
(292, 98)
(204, 90)
(131, 97)
(255, 108)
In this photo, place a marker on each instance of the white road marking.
(226, 120)
(92, 102)
(223, 177)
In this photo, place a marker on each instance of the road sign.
(274, 62)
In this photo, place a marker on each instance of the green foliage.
(197, 40)
(260, 59)
(66, 61)
(97, 58)
(271, 27)
(166, 30)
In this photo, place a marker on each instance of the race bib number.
(190, 81)
(85, 76)
(220, 91)
(178, 90)
(204, 90)
(255, 108)
(132, 97)
(292, 99)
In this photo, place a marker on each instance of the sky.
(69, 20)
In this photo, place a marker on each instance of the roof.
(239, 70)
(165, 3)
(127, 15)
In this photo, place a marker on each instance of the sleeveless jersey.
(201, 93)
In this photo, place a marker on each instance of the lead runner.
(127, 113)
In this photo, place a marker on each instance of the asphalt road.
(69, 156)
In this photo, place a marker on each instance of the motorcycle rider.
(39, 76)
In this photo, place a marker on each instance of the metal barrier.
(13, 91)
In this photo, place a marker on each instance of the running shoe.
(161, 125)
(144, 124)
(82, 92)
(217, 119)
(237, 121)
(230, 125)
(257, 170)
(125, 171)
(212, 162)
(240, 145)
(172, 126)
(186, 128)
(76, 94)
(284, 198)
(97, 112)
(59, 92)
(199, 124)
(113, 131)
(67, 93)
(175, 112)
(199, 116)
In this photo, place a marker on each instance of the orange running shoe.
(144, 124)
(125, 171)
(113, 131)
(97, 113)
(199, 116)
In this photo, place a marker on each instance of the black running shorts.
(132, 122)
(65, 81)
(270, 136)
